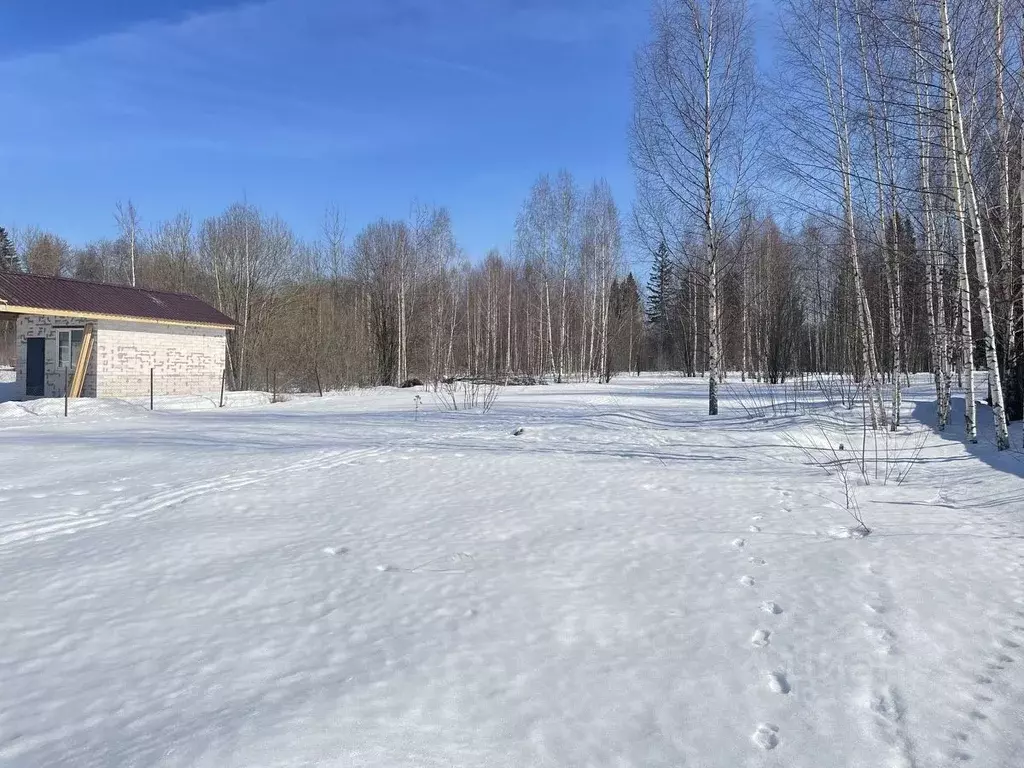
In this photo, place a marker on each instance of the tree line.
(859, 212)
(400, 300)
(891, 141)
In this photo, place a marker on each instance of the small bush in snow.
(843, 443)
(465, 394)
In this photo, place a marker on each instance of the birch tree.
(967, 195)
(934, 274)
(603, 235)
(695, 87)
(128, 222)
(536, 241)
(816, 43)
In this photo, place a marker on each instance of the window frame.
(73, 350)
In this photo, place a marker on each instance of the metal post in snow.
(65, 393)
(151, 379)
(223, 377)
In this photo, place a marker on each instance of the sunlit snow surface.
(347, 582)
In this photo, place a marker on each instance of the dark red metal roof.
(61, 294)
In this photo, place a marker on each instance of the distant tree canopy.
(402, 299)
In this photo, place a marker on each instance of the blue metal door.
(35, 368)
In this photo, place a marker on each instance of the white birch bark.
(888, 251)
(966, 189)
(838, 112)
(938, 339)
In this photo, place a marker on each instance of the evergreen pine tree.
(8, 256)
(628, 303)
(658, 289)
(659, 296)
(632, 318)
(630, 291)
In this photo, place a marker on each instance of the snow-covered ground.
(345, 582)
(8, 383)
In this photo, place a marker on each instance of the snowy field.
(345, 582)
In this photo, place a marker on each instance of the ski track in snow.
(345, 582)
(43, 527)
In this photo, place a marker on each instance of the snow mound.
(89, 407)
(8, 384)
(847, 532)
(52, 408)
(13, 412)
(209, 402)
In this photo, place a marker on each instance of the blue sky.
(300, 104)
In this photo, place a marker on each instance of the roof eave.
(20, 310)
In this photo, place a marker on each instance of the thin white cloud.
(208, 81)
(284, 76)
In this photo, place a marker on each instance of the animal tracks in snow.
(887, 707)
(884, 639)
(885, 701)
(766, 736)
(787, 500)
(778, 683)
(987, 687)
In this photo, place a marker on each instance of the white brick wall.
(46, 326)
(185, 360)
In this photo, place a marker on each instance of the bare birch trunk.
(562, 323)
(744, 321)
(966, 334)
(246, 305)
(508, 327)
(449, 360)
(693, 322)
(965, 188)
(936, 308)
(1005, 266)
(591, 336)
(603, 367)
(888, 251)
(843, 156)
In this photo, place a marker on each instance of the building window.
(69, 342)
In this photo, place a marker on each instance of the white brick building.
(175, 340)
